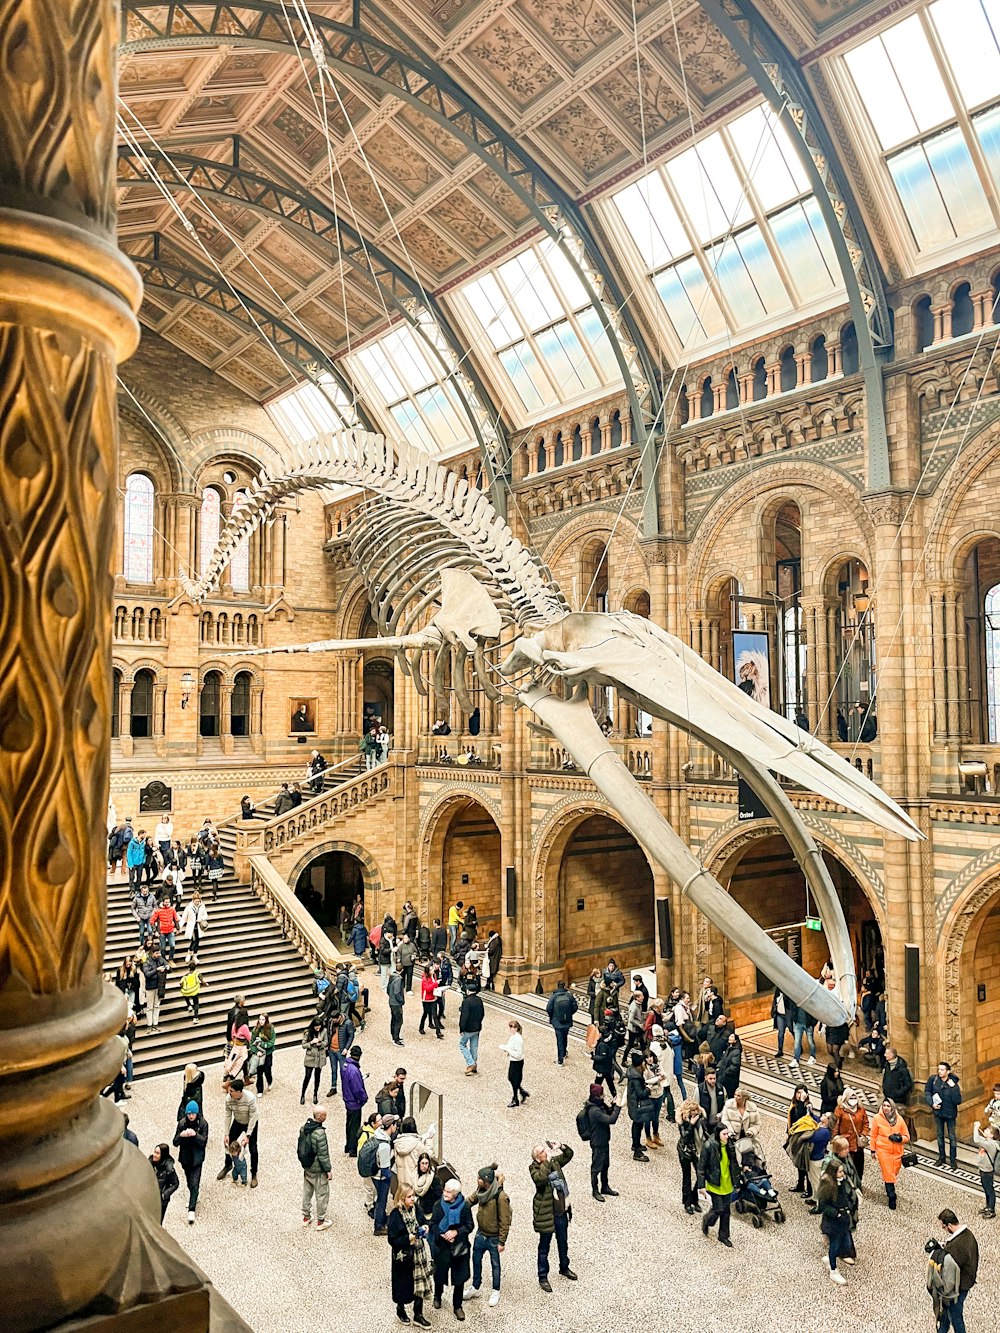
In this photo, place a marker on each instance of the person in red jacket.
(165, 920)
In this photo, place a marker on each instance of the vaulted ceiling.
(588, 89)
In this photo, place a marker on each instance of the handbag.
(863, 1140)
(253, 1064)
(593, 1036)
(908, 1159)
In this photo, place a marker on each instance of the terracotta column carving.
(71, 1251)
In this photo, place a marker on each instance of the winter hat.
(487, 1174)
(242, 1033)
(597, 1091)
(636, 1059)
(191, 1108)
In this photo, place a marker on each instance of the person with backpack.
(943, 1281)
(603, 1057)
(987, 1140)
(593, 1124)
(192, 984)
(314, 1158)
(560, 1010)
(380, 1146)
(191, 1140)
(550, 1212)
(355, 1097)
(493, 1219)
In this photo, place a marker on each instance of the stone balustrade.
(295, 922)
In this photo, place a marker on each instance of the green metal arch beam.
(182, 278)
(286, 202)
(264, 25)
(778, 76)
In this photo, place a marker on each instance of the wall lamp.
(187, 686)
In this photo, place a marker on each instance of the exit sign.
(814, 923)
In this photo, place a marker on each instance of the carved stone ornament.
(155, 798)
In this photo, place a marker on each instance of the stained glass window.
(211, 511)
(138, 555)
(547, 336)
(729, 232)
(930, 86)
(239, 565)
(992, 629)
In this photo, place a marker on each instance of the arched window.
(241, 704)
(116, 703)
(732, 391)
(962, 313)
(759, 380)
(856, 665)
(595, 436)
(789, 375)
(239, 565)
(787, 538)
(684, 405)
(142, 704)
(991, 609)
(209, 704)
(211, 511)
(137, 564)
(849, 349)
(819, 361)
(707, 398)
(923, 322)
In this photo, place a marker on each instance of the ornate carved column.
(257, 718)
(125, 724)
(226, 718)
(71, 1253)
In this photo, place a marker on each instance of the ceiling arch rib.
(181, 277)
(263, 25)
(293, 205)
(777, 74)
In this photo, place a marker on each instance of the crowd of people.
(660, 1061)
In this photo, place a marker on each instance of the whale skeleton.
(431, 549)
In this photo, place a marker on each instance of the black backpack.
(306, 1148)
(583, 1126)
(368, 1158)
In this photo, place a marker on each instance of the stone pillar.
(72, 1253)
(257, 718)
(836, 360)
(125, 721)
(226, 718)
(159, 719)
(982, 310)
(942, 323)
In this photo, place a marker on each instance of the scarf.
(422, 1272)
(484, 1196)
(452, 1214)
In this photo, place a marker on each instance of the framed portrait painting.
(301, 717)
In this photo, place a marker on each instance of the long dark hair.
(266, 1027)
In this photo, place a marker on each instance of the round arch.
(975, 909)
(617, 900)
(467, 812)
(949, 538)
(372, 874)
(756, 866)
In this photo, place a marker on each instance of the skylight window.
(549, 340)
(400, 375)
(930, 86)
(307, 411)
(729, 233)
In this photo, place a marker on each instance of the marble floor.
(642, 1262)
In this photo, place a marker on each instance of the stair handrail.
(311, 815)
(331, 768)
(296, 923)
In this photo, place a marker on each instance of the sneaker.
(639, 1157)
(325, 1225)
(812, 1059)
(494, 1298)
(190, 1217)
(421, 1322)
(987, 1212)
(403, 1318)
(839, 1278)
(472, 1294)
(306, 1219)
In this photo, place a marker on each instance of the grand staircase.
(244, 951)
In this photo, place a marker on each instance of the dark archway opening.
(328, 884)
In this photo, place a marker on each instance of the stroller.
(756, 1195)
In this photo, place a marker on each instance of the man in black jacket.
(601, 1117)
(718, 1170)
(190, 1141)
(470, 1024)
(897, 1081)
(712, 1096)
(640, 1106)
(439, 938)
(963, 1247)
(560, 1009)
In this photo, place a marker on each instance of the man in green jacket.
(550, 1208)
(315, 1175)
(493, 1218)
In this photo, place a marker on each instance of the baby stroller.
(756, 1195)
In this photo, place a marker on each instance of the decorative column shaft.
(71, 1251)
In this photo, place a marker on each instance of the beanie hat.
(487, 1174)
(596, 1090)
(242, 1033)
(191, 1108)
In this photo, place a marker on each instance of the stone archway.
(371, 882)
(594, 894)
(462, 861)
(758, 869)
(328, 884)
(971, 1027)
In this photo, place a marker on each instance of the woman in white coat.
(194, 920)
(513, 1047)
(742, 1119)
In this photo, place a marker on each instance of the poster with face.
(302, 714)
(751, 665)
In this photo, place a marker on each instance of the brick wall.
(606, 868)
